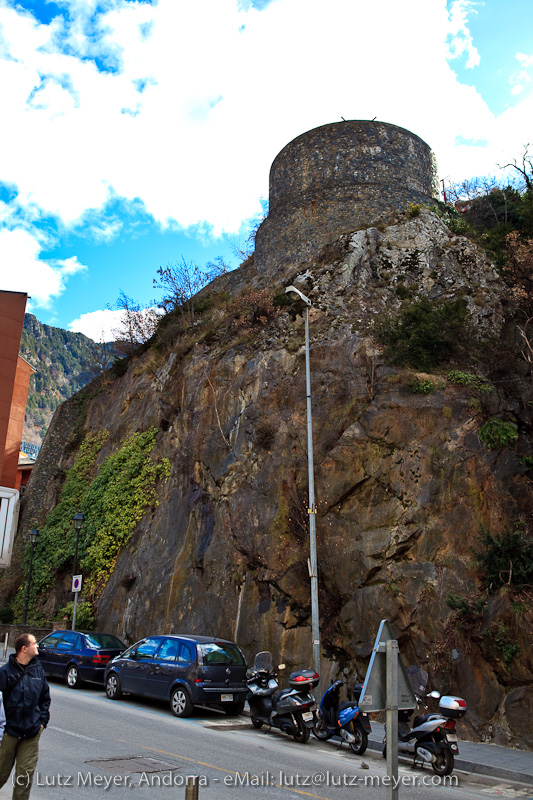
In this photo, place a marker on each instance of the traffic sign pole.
(76, 588)
(392, 718)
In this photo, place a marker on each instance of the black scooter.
(291, 710)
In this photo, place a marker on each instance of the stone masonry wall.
(337, 178)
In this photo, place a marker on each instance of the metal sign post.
(76, 588)
(392, 718)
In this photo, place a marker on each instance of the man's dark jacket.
(26, 701)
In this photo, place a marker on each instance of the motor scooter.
(433, 738)
(292, 710)
(342, 718)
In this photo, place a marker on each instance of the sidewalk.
(490, 760)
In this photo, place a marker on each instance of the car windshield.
(96, 641)
(222, 653)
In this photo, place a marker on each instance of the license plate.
(307, 716)
(226, 698)
(451, 737)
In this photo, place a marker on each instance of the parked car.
(185, 670)
(77, 656)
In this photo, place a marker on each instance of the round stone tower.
(338, 178)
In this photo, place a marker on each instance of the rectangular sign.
(76, 583)
(9, 514)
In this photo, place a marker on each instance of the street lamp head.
(78, 520)
(33, 535)
(296, 294)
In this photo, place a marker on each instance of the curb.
(472, 768)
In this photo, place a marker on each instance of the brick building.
(15, 374)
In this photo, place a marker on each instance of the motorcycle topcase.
(304, 679)
(452, 707)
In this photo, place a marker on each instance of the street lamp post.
(296, 294)
(33, 537)
(78, 521)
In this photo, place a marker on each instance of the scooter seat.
(348, 704)
(420, 720)
(282, 693)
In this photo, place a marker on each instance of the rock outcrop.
(403, 482)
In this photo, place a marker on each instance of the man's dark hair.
(24, 640)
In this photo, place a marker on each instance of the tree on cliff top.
(182, 281)
(137, 325)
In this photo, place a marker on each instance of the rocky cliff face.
(403, 482)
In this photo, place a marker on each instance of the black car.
(78, 657)
(185, 670)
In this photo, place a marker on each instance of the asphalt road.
(95, 747)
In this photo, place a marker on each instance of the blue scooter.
(342, 718)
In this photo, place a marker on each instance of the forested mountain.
(64, 361)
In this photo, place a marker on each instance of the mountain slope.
(65, 362)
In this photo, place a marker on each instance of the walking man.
(26, 699)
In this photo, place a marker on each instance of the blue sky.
(135, 132)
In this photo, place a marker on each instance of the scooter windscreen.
(263, 661)
(418, 679)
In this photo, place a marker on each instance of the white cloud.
(24, 271)
(98, 325)
(196, 99)
(520, 80)
(460, 42)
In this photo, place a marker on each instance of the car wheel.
(180, 702)
(233, 709)
(113, 688)
(73, 677)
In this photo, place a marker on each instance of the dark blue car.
(78, 657)
(184, 670)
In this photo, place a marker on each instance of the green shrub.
(413, 209)
(84, 615)
(424, 334)
(280, 300)
(467, 379)
(506, 559)
(502, 642)
(497, 433)
(423, 387)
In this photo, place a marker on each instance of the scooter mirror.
(434, 694)
(281, 666)
(345, 671)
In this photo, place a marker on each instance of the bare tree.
(524, 169)
(102, 355)
(137, 325)
(182, 281)
(246, 251)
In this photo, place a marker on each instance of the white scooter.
(432, 739)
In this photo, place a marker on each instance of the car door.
(46, 650)
(133, 670)
(65, 651)
(161, 671)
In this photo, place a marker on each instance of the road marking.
(71, 733)
(221, 769)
